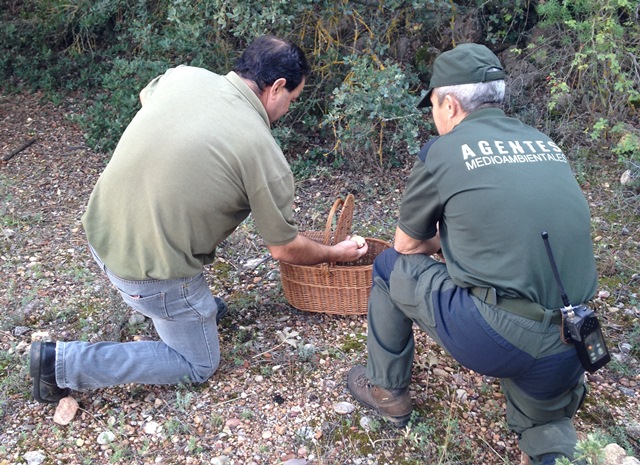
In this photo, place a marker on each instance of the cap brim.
(426, 100)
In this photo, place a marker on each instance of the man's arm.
(304, 251)
(407, 245)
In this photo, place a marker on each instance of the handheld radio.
(580, 324)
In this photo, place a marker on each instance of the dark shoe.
(43, 371)
(394, 405)
(222, 309)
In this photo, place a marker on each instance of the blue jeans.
(183, 312)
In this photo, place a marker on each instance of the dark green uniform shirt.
(494, 184)
(194, 162)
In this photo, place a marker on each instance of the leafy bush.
(373, 111)
(597, 77)
(367, 55)
(111, 48)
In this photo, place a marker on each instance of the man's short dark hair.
(270, 58)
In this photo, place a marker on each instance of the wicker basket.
(335, 288)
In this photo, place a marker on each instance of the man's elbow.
(279, 252)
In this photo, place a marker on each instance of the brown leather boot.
(395, 405)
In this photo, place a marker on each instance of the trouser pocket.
(410, 288)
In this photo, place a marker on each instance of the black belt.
(521, 307)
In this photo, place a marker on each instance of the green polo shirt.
(194, 162)
(494, 184)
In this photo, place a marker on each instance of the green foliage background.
(573, 64)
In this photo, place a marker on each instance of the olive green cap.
(465, 64)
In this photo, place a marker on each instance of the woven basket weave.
(335, 288)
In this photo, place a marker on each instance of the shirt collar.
(249, 94)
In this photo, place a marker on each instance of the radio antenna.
(554, 268)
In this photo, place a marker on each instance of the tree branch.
(19, 149)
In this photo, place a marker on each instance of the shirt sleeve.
(421, 207)
(150, 88)
(272, 211)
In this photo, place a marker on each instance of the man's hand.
(304, 251)
(358, 240)
(407, 245)
(352, 249)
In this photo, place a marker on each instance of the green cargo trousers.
(541, 376)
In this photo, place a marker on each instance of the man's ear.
(277, 87)
(452, 106)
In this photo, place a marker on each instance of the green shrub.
(356, 110)
(111, 48)
(592, 48)
(374, 112)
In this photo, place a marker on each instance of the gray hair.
(473, 96)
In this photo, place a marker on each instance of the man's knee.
(384, 263)
(557, 437)
(200, 374)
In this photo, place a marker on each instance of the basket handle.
(326, 238)
(343, 228)
(343, 225)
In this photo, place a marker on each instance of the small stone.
(306, 432)
(253, 263)
(366, 423)
(440, 372)
(613, 454)
(626, 348)
(604, 294)
(233, 422)
(221, 460)
(266, 434)
(136, 319)
(630, 461)
(65, 411)
(152, 427)
(40, 336)
(627, 392)
(633, 430)
(20, 330)
(35, 457)
(344, 408)
(106, 437)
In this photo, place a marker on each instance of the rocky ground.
(279, 395)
